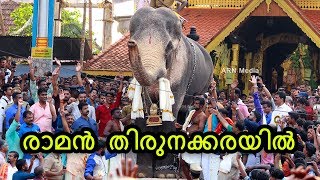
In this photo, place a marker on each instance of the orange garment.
(286, 169)
(4, 171)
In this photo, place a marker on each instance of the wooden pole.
(107, 25)
(90, 25)
(83, 41)
(1, 21)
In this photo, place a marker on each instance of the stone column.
(248, 58)
(315, 63)
(57, 19)
(107, 25)
(235, 60)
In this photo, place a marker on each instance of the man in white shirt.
(74, 110)
(4, 101)
(281, 109)
(9, 168)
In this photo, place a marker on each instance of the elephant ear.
(177, 34)
(173, 26)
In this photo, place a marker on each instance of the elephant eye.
(168, 54)
(169, 47)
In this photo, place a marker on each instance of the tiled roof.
(208, 22)
(7, 8)
(115, 58)
(313, 16)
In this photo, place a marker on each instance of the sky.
(124, 8)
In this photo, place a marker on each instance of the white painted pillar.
(43, 18)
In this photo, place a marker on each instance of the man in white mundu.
(114, 125)
(194, 123)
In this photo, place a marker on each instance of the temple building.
(278, 39)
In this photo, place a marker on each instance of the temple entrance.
(267, 42)
(270, 41)
(274, 57)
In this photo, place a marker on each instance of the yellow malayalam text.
(83, 142)
(160, 144)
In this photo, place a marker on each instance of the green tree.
(70, 25)
(20, 16)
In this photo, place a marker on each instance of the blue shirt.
(257, 105)
(91, 162)
(11, 112)
(214, 121)
(95, 105)
(82, 123)
(21, 175)
(57, 125)
(251, 126)
(268, 118)
(24, 128)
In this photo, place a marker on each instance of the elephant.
(159, 49)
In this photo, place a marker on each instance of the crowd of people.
(54, 104)
(223, 111)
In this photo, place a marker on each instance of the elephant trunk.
(145, 71)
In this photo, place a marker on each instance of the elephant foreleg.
(178, 103)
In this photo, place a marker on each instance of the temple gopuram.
(278, 39)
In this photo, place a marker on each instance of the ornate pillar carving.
(248, 58)
(315, 63)
(258, 60)
(235, 60)
(268, 2)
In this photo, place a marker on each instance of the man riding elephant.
(157, 50)
(168, 4)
